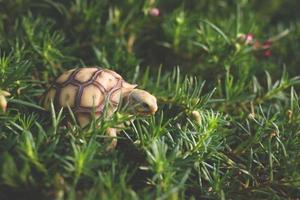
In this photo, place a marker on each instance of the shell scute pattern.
(64, 77)
(85, 90)
(107, 80)
(85, 74)
(91, 96)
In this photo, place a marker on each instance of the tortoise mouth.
(142, 112)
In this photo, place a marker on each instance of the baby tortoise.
(91, 89)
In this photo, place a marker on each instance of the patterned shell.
(86, 90)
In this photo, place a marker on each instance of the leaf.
(217, 29)
(26, 103)
(9, 170)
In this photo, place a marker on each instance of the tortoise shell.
(86, 90)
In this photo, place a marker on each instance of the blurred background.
(200, 36)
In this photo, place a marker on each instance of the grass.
(228, 122)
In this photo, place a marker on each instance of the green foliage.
(228, 122)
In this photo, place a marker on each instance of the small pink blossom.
(249, 38)
(154, 12)
(246, 38)
(267, 44)
(267, 53)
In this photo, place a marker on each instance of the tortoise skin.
(86, 90)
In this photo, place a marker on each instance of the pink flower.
(154, 12)
(249, 38)
(267, 44)
(246, 38)
(267, 53)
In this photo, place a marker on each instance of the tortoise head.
(140, 102)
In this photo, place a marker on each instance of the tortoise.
(92, 89)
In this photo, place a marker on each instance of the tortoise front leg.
(112, 132)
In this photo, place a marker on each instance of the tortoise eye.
(146, 106)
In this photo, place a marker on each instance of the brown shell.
(86, 90)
